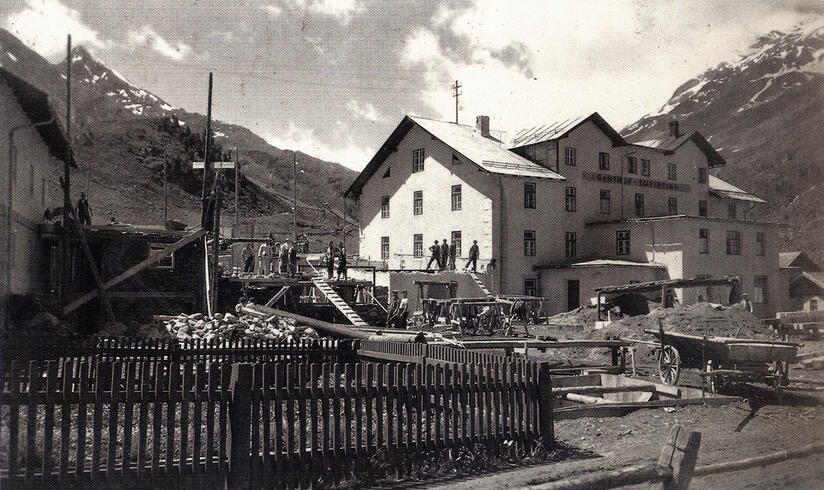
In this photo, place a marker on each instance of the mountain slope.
(764, 112)
(122, 136)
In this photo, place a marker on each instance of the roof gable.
(36, 106)
(670, 145)
(560, 129)
(721, 188)
(488, 154)
(797, 259)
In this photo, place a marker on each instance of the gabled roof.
(817, 278)
(797, 259)
(559, 129)
(725, 189)
(670, 144)
(467, 142)
(35, 104)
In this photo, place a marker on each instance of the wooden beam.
(312, 322)
(274, 299)
(152, 259)
(149, 294)
(649, 388)
(777, 457)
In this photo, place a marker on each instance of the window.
(456, 197)
(570, 244)
(456, 238)
(385, 207)
(632, 165)
(813, 304)
(603, 161)
(672, 171)
(645, 167)
(733, 243)
(759, 244)
(417, 203)
(702, 208)
(731, 210)
(384, 248)
(759, 290)
(570, 156)
(622, 242)
(417, 245)
(702, 175)
(529, 243)
(167, 262)
(605, 201)
(571, 201)
(417, 160)
(455, 160)
(639, 205)
(704, 241)
(530, 287)
(529, 195)
(672, 206)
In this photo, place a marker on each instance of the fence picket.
(266, 404)
(143, 416)
(213, 381)
(223, 415)
(31, 418)
(171, 407)
(336, 415)
(197, 415)
(379, 404)
(157, 414)
(303, 400)
(80, 462)
(438, 406)
(97, 415)
(290, 412)
(48, 420)
(114, 413)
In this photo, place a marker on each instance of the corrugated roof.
(485, 152)
(725, 189)
(558, 129)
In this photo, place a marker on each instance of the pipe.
(10, 199)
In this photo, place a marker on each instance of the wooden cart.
(723, 360)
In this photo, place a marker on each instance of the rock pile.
(228, 327)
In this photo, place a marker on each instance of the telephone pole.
(295, 198)
(206, 167)
(237, 186)
(456, 93)
(67, 162)
(165, 189)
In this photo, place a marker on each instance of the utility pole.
(206, 167)
(295, 198)
(67, 162)
(237, 185)
(456, 93)
(165, 191)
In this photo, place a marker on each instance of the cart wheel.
(669, 365)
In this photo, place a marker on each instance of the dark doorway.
(573, 294)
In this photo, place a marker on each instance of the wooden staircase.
(480, 283)
(320, 282)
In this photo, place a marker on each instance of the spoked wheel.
(669, 365)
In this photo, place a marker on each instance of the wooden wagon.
(723, 360)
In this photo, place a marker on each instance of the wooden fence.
(95, 349)
(161, 424)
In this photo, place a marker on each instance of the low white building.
(563, 208)
(33, 141)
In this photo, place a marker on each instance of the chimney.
(674, 129)
(482, 125)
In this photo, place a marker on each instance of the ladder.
(320, 282)
(480, 283)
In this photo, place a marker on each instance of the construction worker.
(435, 256)
(392, 310)
(293, 261)
(330, 259)
(444, 254)
(248, 256)
(264, 258)
(84, 213)
(745, 303)
(453, 250)
(402, 313)
(342, 261)
(283, 258)
(473, 257)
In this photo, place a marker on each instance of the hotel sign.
(652, 184)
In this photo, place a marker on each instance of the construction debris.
(229, 326)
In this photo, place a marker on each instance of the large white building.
(563, 208)
(32, 142)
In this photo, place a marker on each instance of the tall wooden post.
(218, 197)
(295, 198)
(165, 190)
(237, 186)
(67, 162)
(207, 144)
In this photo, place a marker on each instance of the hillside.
(765, 113)
(121, 135)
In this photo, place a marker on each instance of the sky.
(332, 78)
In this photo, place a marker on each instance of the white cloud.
(341, 10)
(364, 111)
(44, 24)
(224, 35)
(149, 37)
(305, 140)
(272, 10)
(620, 60)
